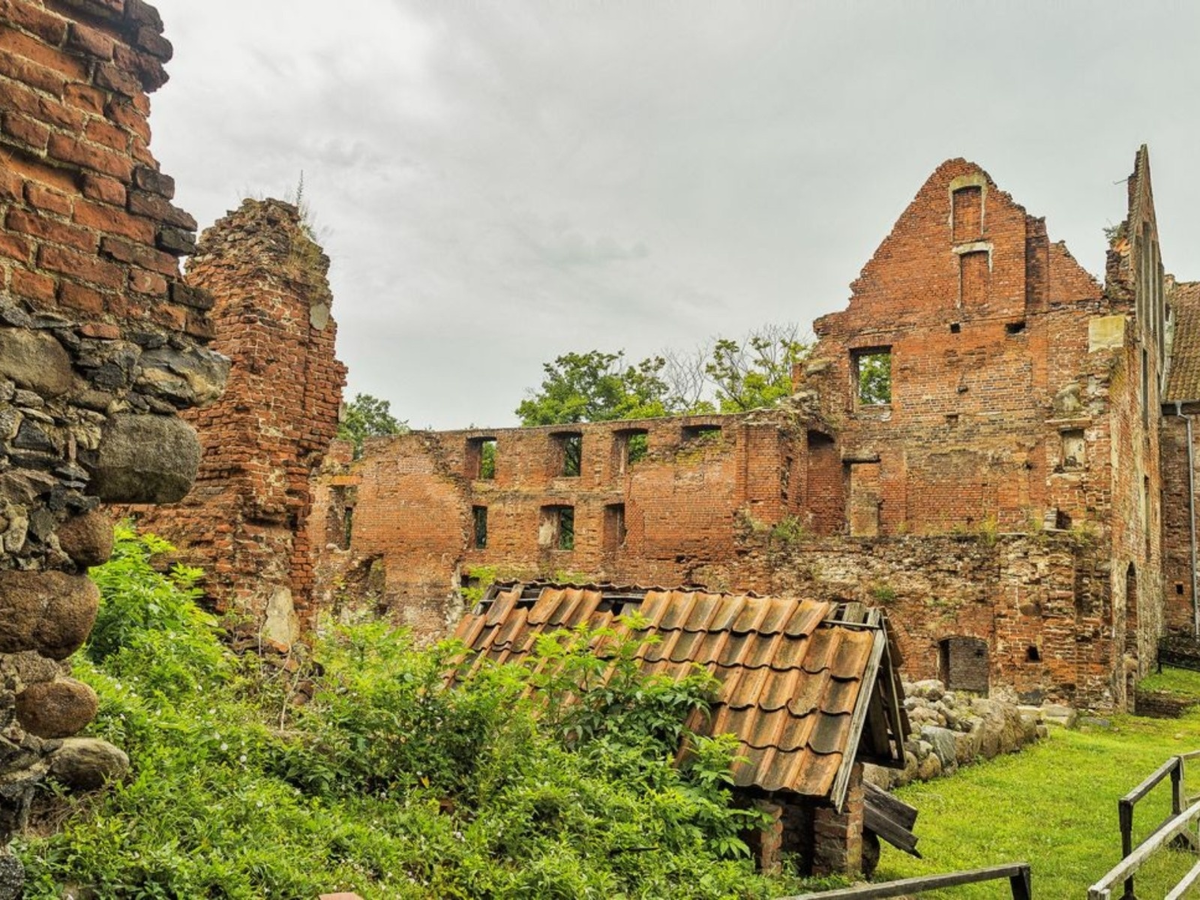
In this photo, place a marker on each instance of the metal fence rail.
(1018, 876)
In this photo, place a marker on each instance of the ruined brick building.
(101, 344)
(243, 522)
(1002, 493)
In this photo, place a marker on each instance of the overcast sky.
(501, 182)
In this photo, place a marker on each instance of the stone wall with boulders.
(101, 344)
(952, 730)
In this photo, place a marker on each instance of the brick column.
(837, 836)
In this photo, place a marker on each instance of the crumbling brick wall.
(100, 345)
(670, 516)
(1179, 611)
(245, 521)
(1023, 397)
(1039, 605)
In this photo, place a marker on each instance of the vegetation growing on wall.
(387, 782)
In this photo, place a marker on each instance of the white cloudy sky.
(501, 182)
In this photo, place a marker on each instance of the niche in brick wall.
(975, 274)
(968, 213)
(614, 526)
(866, 497)
(825, 502)
(963, 664)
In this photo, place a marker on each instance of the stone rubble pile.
(952, 730)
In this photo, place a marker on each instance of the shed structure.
(810, 689)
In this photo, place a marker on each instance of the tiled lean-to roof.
(1183, 377)
(804, 684)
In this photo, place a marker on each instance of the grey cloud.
(505, 182)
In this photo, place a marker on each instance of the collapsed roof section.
(808, 687)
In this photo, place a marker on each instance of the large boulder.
(50, 612)
(87, 539)
(56, 709)
(144, 459)
(85, 764)
(944, 747)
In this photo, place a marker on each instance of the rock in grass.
(85, 764)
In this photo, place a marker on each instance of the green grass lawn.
(1055, 806)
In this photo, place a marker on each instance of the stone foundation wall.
(1039, 606)
(245, 521)
(101, 344)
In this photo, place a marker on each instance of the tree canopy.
(366, 416)
(724, 375)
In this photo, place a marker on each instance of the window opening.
(557, 529)
(1014, 327)
(701, 433)
(1032, 654)
(955, 328)
(1131, 610)
(480, 516)
(630, 446)
(566, 528)
(481, 458)
(872, 372)
(570, 447)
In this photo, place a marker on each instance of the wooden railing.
(1017, 874)
(1173, 830)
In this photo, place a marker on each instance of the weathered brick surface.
(245, 520)
(1005, 499)
(78, 375)
(684, 506)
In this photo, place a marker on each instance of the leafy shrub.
(388, 782)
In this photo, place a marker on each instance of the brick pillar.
(837, 836)
(767, 845)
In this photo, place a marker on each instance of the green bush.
(388, 782)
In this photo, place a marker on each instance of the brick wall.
(100, 345)
(1177, 532)
(673, 516)
(245, 520)
(1018, 402)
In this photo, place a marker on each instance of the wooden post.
(1125, 815)
(1177, 788)
(1022, 888)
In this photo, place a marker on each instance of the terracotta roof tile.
(792, 681)
(1183, 379)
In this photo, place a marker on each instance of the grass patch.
(1054, 806)
(1180, 682)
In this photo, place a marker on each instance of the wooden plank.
(1130, 864)
(916, 885)
(837, 794)
(893, 806)
(1146, 786)
(876, 820)
(1189, 879)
